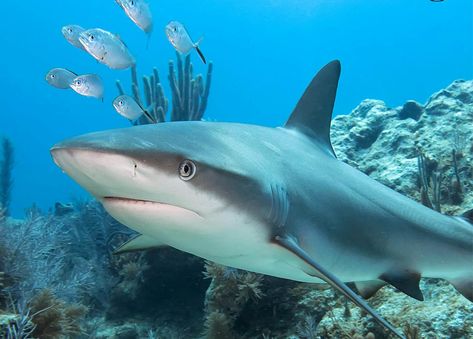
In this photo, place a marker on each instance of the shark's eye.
(187, 170)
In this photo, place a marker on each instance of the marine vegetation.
(6, 180)
(189, 93)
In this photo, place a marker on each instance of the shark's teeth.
(131, 200)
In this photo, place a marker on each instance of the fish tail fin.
(201, 55)
(199, 41)
(149, 116)
(197, 48)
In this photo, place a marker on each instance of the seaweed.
(6, 181)
(53, 318)
(456, 186)
(189, 94)
(228, 294)
(69, 255)
(430, 181)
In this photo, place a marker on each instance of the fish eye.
(91, 37)
(78, 82)
(175, 29)
(53, 76)
(187, 170)
(132, 3)
(120, 103)
(69, 30)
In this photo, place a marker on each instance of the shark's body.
(270, 200)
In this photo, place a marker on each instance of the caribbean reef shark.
(271, 200)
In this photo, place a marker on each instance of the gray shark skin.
(270, 200)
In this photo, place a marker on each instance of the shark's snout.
(100, 173)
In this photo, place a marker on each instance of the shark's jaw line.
(135, 201)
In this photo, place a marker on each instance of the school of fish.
(109, 49)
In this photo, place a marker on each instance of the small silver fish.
(106, 48)
(179, 37)
(127, 107)
(60, 78)
(71, 33)
(139, 12)
(89, 85)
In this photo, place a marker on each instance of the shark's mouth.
(131, 200)
(142, 202)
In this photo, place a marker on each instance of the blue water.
(264, 52)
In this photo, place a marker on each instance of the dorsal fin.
(313, 112)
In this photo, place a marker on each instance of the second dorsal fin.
(313, 112)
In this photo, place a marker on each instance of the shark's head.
(186, 183)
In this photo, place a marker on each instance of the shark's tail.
(464, 285)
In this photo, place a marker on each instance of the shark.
(275, 201)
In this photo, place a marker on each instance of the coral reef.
(189, 94)
(443, 128)
(6, 181)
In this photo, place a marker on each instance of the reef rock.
(385, 142)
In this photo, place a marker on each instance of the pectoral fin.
(291, 245)
(139, 243)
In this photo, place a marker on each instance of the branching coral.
(19, 324)
(6, 181)
(456, 187)
(131, 270)
(430, 181)
(4, 252)
(189, 94)
(67, 254)
(228, 294)
(54, 318)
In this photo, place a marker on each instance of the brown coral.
(218, 325)
(54, 318)
(227, 295)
